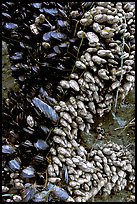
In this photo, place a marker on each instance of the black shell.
(46, 109)
(28, 172)
(40, 197)
(7, 149)
(28, 192)
(14, 165)
(41, 145)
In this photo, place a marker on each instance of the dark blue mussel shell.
(46, 109)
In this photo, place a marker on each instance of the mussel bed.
(45, 48)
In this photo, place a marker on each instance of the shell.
(130, 78)
(114, 178)
(58, 140)
(66, 116)
(34, 29)
(105, 53)
(103, 74)
(63, 151)
(54, 179)
(115, 85)
(107, 32)
(64, 123)
(56, 169)
(80, 34)
(88, 77)
(78, 192)
(97, 27)
(69, 162)
(86, 22)
(56, 161)
(74, 76)
(30, 121)
(98, 60)
(53, 151)
(74, 85)
(92, 37)
(72, 110)
(61, 158)
(100, 18)
(40, 19)
(80, 65)
(121, 174)
(73, 184)
(59, 131)
(65, 84)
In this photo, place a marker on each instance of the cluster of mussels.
(41, 140)
(42, 41)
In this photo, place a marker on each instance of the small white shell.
(92, 37)
(100, 18)
(66, 116)
(57, 108)
(98, 60)
(74, 85)
(57, 161)
(80, 34)
(74, 133)
(79, 120)
(46, 45)
(96, 96)
(129, 62)
(97, 158)
(115, 85)
(72, 110)
(74, 143)
(30, 121)
(74, 124)
(65, 84)
(130, 78)
(74, 76)
(127, 86)
(80, 105)
(80, 65)
(78, 192)
(107, 151)
(103, 74)
(58, 140)
(56, 169)
(64, 123)
(73, 101)
(121, 174)
(34, 29)
(73, 183)
(112, 61)
(61, 158)
(53, 151)
(69, 162)
(107, 169)
(87, 57)
(86, 21)
(95, 177)
(88, 77)
(81, 127)
(107, 32)
(51, 170)
(58, 131)
(63, 151)
(54, 179)
(114, 178)
(104, 53)
(97, 27)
